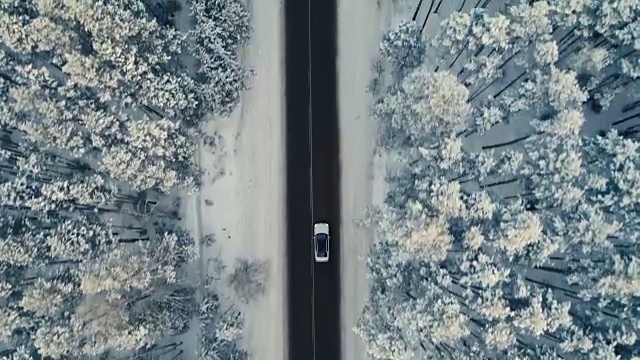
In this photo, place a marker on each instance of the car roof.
(322, 245)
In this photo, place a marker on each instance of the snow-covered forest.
(510, 228)
(100, 118)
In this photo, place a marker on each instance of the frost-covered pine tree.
(119, 101)
(221, 27)
(68, 271)
(521, 247)
(403, 46)
(220, 330)
(97, 121)
(424, 105)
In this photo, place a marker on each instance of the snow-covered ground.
(360, 26)
(357, 47)
(242, 196)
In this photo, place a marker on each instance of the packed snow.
(357, 47)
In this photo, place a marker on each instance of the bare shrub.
(208, 240)
(249, 278)
(215, 270)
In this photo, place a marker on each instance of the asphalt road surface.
(298, 150)
(325, 164)
(313, 178)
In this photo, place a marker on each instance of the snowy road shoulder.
(357, 48)
(361, 24)
(242, 196)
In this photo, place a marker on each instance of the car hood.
(321, 228)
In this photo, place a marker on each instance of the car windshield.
(321, 240)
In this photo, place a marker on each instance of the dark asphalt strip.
(313, 169)
(298, 157)
(325, 176)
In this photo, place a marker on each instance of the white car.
(321, 241)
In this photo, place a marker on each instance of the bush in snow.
(249, 278)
